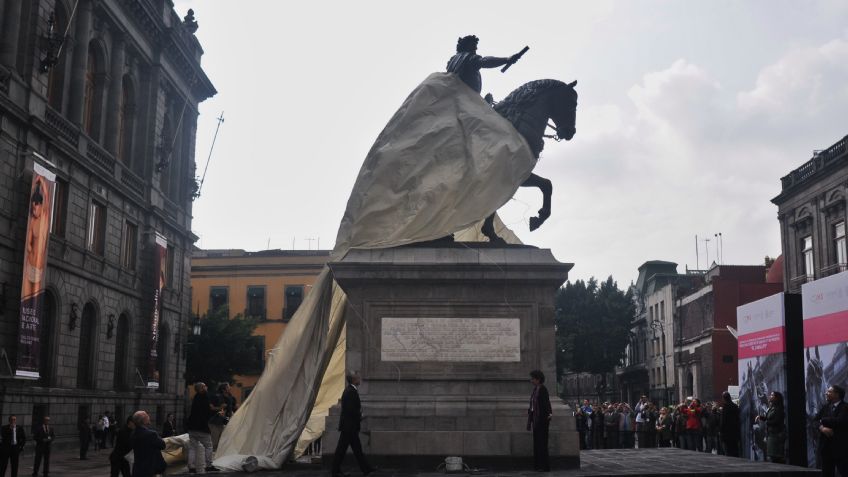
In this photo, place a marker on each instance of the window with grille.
(839, 243)
(129, 249)
(293, 299)
(807, 254)
(256, 302)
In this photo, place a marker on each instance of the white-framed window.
(840, 245)
(807, 254)
(97, 228)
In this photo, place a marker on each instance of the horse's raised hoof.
(535, 223)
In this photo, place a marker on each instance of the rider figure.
(466, 63)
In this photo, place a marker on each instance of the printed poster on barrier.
(35, 272)
(825, 303)
(761, 329)
(160, 252)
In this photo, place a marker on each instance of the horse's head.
(564, 112)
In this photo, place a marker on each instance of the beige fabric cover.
(443, 163)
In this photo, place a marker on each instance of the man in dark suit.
(538, 420)
(12, 439)
(730, 427)
(43, 437)
(349, 425)
(833, 426)
(147, 448)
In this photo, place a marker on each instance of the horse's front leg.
(546, 187)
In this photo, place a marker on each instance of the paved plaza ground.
(629, 462)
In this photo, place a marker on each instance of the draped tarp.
(445, 161)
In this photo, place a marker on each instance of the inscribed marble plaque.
(451, 339)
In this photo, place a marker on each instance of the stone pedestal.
(444, 338)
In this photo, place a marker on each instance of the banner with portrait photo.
(160, 252)
(825, 303)
(39, 207)
(761, 336)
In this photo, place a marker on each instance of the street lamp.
(196, 327)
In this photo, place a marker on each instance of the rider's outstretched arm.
(493, 62)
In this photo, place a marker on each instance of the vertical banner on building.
(761, 327)
(39, 207)
(160, 251)
(825, 303)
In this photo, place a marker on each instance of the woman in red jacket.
(692, 412)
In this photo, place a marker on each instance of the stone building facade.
(648, 367)
(811, 211)
(112, 111)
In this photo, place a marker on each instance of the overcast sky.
(689, 114)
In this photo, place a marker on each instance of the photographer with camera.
(693, 439)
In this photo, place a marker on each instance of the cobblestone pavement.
(628, 462)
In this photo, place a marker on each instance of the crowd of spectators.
(711, 427)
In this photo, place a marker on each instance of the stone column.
(11, 31)
(82, 35)
(696, 380)
(115, 97)
(681, 376)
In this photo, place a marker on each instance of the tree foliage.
(225, 347)
(592, 326)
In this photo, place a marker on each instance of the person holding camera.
(693, 434)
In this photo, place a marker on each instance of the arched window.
(90, 78)
(122, 352)
(85, 358)
(126, 121)
(166, 139)
(47, 324)
(56, 80)
(163, 356)
(94, 91)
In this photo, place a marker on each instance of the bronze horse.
(529, 108)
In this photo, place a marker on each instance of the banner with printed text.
(39, 209)
(761, 327)
(160, 251)
(825, 305)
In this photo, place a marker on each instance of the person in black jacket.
(169, 429)
(43, 437)
(202, 410)
(122, 447)
(12, 440)
(538, 420)
(147, 448)
(833, 426)
(729, 425)
(349, 425)
(84, 432)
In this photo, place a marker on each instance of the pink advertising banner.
(825, 311)
(761, 327)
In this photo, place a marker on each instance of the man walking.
(833, 426)
(12, 439)
(43, 437)
(349, 425)
(198, 428)
(729, 425)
